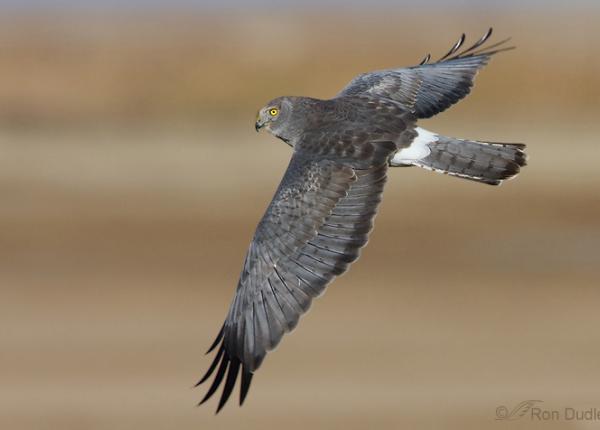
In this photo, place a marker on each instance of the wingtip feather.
(217, 340)
(217, 380)
(455, 47)
(212, 367)
(234, 367)
(476, 49)
(245, 384)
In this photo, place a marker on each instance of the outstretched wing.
(313, 229)
(429, 88)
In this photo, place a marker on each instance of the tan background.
(131, 181)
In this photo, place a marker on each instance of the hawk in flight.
(323, 210)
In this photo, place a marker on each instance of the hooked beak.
(258, 125)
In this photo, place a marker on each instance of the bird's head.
(276, 118)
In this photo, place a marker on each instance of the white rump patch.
(418, 149)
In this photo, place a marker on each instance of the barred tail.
(486, 162)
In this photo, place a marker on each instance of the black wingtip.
(477, 44)
(455, 47)
(486, 36)
(245, 385)
(217, 380)
(227, 368)
(212, 367)
(217, 340)
(234, 367)
(425, 59)
(477, 49)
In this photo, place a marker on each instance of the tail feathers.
(486, 162)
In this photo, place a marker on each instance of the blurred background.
(132, 180)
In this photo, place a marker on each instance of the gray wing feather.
(313, 229)
(428, 89)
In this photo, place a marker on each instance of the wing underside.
(313, 230)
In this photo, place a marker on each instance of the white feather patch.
(418, 149)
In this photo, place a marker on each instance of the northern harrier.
(323, 210)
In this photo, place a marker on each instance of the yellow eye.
(274, 111)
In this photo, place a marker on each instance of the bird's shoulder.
(359, 130)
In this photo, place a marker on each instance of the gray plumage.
(323, 210)
(486, 162)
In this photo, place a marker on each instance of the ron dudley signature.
(532, 410)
